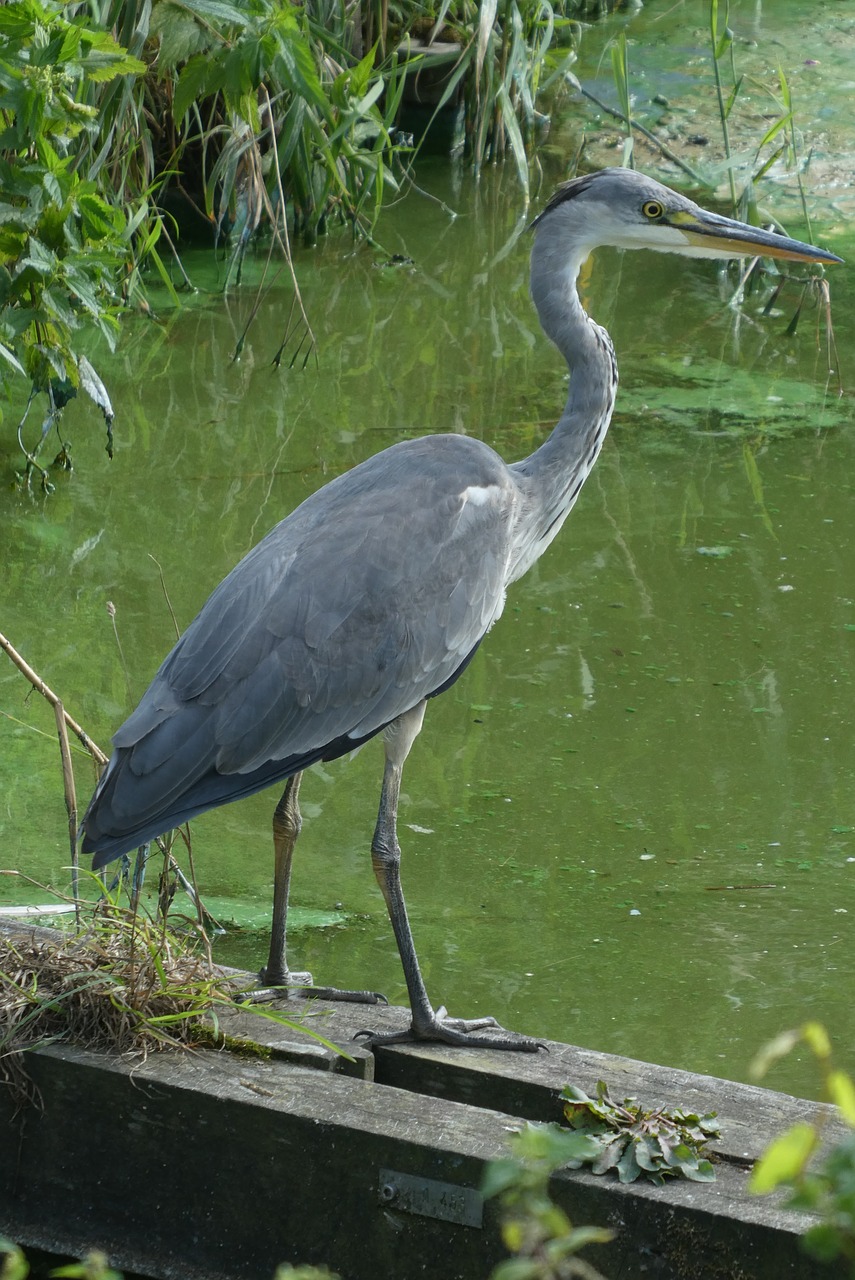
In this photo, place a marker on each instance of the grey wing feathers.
(365, 600)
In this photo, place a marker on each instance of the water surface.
(630, 825)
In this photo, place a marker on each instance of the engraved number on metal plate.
(431, 1199)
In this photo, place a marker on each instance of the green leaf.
(731, 100)
(773, 1052)
(610, 1154)
(841, 1090)
(192, 84)
(703, 1171)
(11, 357)
(583, 1236)
(628, 1168)
(100, 220)
(647, 1155)
(824, 1241)
(816, 1038)
(517, 1269)
(218, 11)
(102, 65)
(784, 1160)
(512, 129)
(40, 258)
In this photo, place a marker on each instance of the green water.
(631, 824)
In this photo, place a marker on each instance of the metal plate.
(430, 1199)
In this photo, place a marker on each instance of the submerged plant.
(636, 1143)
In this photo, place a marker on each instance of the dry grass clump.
(123, 984)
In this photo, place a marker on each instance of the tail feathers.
(125, 811)
(114, 824)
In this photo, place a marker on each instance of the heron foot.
(439, 1028)
(346, 997)
(302, 984)
(269, 977)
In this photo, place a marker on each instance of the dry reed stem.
(48, 693)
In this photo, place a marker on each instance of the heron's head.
(623, 208)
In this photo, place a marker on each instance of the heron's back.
(372, 595)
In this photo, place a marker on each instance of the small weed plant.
(543, 1241)
(636, 1143)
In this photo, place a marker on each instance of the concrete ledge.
(214, 1165)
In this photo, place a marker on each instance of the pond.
(630, 825)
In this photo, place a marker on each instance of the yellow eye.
(652, 209)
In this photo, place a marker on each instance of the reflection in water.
(668, 875)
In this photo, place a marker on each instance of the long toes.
(347, 997)
(373, 1038)
(449, 1032)
(464, 1024)
(454, 1031)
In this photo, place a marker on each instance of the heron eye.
(652, 209)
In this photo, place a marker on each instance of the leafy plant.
(511, 55)
(826, 1189)
(635, 1143)
(275, 103)
(63, 244)
(287, 1272)
(545, 1243)
(778, 141)
(95, 1266)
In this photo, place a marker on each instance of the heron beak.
(709, 235)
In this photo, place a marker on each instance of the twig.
(283, 238)
(166, 597)
(70, 804)
(111, 610)
(651, 137)
(48, 693)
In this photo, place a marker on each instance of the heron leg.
(287, 823)
(386, 861)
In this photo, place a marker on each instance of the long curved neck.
(551, 477)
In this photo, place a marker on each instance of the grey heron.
(373, 595)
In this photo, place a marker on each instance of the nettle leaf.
(11, 357)
(193, 83)
(39, 258)
(105, 58)
(100, 219)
